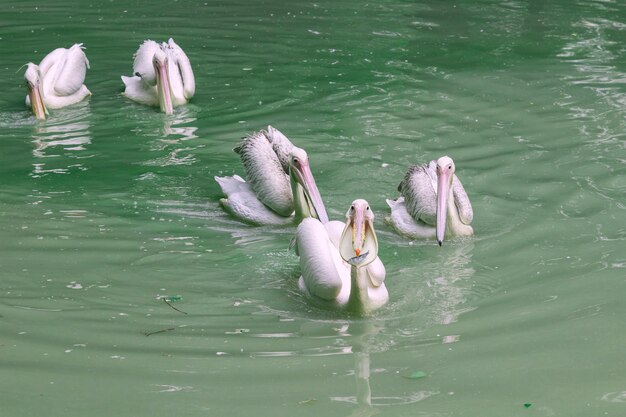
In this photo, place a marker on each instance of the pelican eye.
(368, 207)
(352, 208)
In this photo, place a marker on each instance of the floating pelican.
(279, 182)
(339, 267)
(426, 208)
(57, 81)
(162, 76)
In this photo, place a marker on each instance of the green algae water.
(126, 291)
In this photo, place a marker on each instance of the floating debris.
(172, 299)
(160, 331)
(415, 375)
(309, 401)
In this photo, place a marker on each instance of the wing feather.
(419, 194)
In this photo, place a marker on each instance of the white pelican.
(427, 208)
(279, 182)
(342, 268)
(162, 76)
(57, 81)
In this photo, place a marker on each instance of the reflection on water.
(435, 290)
(530, 95)
(362, 336)
(451, 286)
(61, 141)
(173, 132)
(173, 126)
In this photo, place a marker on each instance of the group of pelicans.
(162, 76)
(339, 261)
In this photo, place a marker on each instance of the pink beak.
(308, 182)
(358, 229)
(444, 178)
(163, 87)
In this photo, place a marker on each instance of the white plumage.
(279, 182)
(162, 76)
(427, 208)
(57, 81)
(339, 262)
(243, 204)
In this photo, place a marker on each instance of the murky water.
(108, 206)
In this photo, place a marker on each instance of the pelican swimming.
(57, 81)
(427, 208)
(279, 182)
(339, 262)
(162, 76)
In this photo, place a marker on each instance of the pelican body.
(57, 81)
(339, 262)
(279, 182)
(162, 76)
(433, 203)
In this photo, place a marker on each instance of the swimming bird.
(279, 182)
(57, 81)
(427, 208)
(162, 76)
(339, 262)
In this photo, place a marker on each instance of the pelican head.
(33, 84)
(307, 199)
(358, 244)
(445, 174)
(160, 62)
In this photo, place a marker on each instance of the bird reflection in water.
(61, 142)
(172, 136)
(176, 127)
(364, 341)
(452, 285)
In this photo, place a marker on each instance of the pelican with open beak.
(341, 268)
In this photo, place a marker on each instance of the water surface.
(108, 206)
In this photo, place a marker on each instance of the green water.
(109, 205)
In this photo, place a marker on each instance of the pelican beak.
(444, 181)
(36, 101)
(35, 96)
(164, 91)
(309, 199)
(358, 244)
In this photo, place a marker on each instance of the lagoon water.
(108, 206)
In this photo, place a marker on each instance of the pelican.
(57, 81)
(427, 208)
(279, 182)
(339, 262)
(162, 76)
